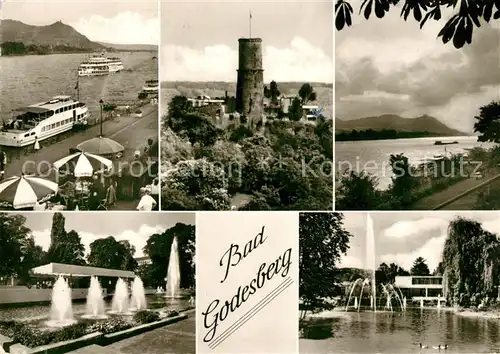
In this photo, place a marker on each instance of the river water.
(385, 332)
(32, 79)
(373, 156)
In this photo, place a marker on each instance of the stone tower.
(250, 84)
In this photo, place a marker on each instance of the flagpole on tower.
(250, 24)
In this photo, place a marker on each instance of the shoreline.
(407, 138)
(69, 53)
(469, 313)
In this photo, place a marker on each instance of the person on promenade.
(96, 193)
(37, 144)
(147, 203)
(3, 163)
(111, 194)
(155, 192)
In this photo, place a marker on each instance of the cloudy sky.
(402, 237)
(200, 39)
(391, 66)
(134, 227)
(118, 22)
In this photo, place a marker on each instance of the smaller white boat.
(100, 65)
(150, 86)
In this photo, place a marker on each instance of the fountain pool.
(401, 332)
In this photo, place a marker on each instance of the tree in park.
(158, 249)
(386, 274)
(18, 253)
(306, 93)
(112, 254)
(65, 247)
(322, 241)
(420, 267)
(460, 27)
(471, 263)
(488, 123)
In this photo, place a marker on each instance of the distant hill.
(131, 47)
(285, 87)
(424, 123)
(56, 34)
(324, 91)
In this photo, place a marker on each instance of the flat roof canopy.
(80, 271)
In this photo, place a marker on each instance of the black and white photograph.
(389, 282)
(417, 105)
(79, 105)
(94, 283)
(246, 105)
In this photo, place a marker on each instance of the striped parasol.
(25, 191)
(83, 164)
(100, 146)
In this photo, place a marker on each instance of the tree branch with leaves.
(467, 14)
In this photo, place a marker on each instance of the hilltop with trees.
(286, 166)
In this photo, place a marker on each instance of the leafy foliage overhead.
(459, 28)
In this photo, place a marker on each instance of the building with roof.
(421, 288)
(143, 260)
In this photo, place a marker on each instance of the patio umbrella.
(83, 164)
(25, 191)
(100, 146)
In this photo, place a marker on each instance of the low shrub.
(31, 336)
(172, 313)
(143, 317)
(109, 326)
(316, 329)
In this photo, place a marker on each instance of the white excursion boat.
(150, 86)
(43, 120)
(100, 65)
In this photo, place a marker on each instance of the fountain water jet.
(61, 308)
(120, 303)
(95, 302)
(388, 289)
(370, 256)
(173, 288)
(138, 300)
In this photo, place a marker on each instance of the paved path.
(454, 193)
(177, 338)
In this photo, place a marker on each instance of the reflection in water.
(368, 332)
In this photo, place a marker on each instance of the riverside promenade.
(132, 132)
